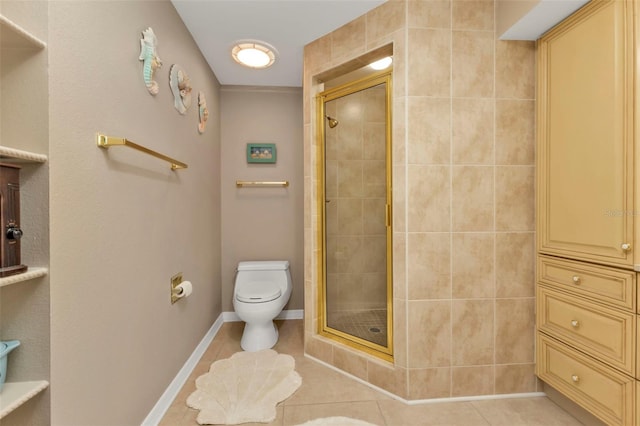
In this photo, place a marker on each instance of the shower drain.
(374, 329)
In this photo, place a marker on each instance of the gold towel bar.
(107, 141)
(240, 183)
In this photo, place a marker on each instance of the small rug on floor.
(336, 421)
(244, 388)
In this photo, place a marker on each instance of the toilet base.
(257, 337)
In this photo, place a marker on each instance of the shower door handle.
(387, 215)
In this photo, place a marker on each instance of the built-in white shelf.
(14, 394)
(29, 274)
(13, 35)
(18, 155)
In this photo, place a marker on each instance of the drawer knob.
(626, 247)
(575, 378)
(575, 323)
(576, 279)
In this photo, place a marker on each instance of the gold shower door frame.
(383, 352)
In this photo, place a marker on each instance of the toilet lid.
(257, 291)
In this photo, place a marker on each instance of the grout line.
(384, 419)
(451, 162)
(489, 423)
(407, 339)
(495, 239)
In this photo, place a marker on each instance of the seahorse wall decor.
(151, 60)
(203, 112)
(180, 87)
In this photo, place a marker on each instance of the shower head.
(332, 122)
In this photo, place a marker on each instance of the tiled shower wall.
(463, 199)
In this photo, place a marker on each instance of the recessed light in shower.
(254, 54)
(381, 63)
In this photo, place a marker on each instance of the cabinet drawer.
(612, 286)
(637, 403)
(607, 334)
(606, 393)
(637, 356)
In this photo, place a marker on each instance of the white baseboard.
(292, 314)
(158, 411)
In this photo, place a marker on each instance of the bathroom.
(118, 227)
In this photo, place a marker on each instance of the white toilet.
(261, 290)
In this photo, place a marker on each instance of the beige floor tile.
(537, 411)
(291, 337)
(322, 385)
(218, 342)
(231, 343)
(398, 413)
(326, 393)
(190, 419)
(365, 410)
(174, 416)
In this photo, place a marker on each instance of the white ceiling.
(542, 17)
(288, 25)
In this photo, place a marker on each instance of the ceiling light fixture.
(381, 63)
(254, 54)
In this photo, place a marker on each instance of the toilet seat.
(257, 291)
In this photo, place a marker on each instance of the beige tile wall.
(463, 176)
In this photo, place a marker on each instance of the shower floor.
(369, 325)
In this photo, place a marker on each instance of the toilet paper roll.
(184, 289)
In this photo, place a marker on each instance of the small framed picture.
(261, 153)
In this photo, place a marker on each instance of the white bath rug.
(244, 388)
(336, 421)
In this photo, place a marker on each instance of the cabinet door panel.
(585, 187)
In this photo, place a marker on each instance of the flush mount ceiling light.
(254, 54)
(381, 63)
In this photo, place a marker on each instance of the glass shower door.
(357, 231)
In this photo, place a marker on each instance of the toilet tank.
(276, 271)
(264, 265)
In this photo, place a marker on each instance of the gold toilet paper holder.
(175, 282)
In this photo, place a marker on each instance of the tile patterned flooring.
(326, 393)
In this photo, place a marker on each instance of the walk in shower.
(355, 198)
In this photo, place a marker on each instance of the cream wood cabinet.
(586, 132)
(587, 300)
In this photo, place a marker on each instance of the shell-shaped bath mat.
(244, 388)
(336, 421)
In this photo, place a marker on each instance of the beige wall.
(122, 223)
(508, 12)
(262, 223)
(463, 169)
